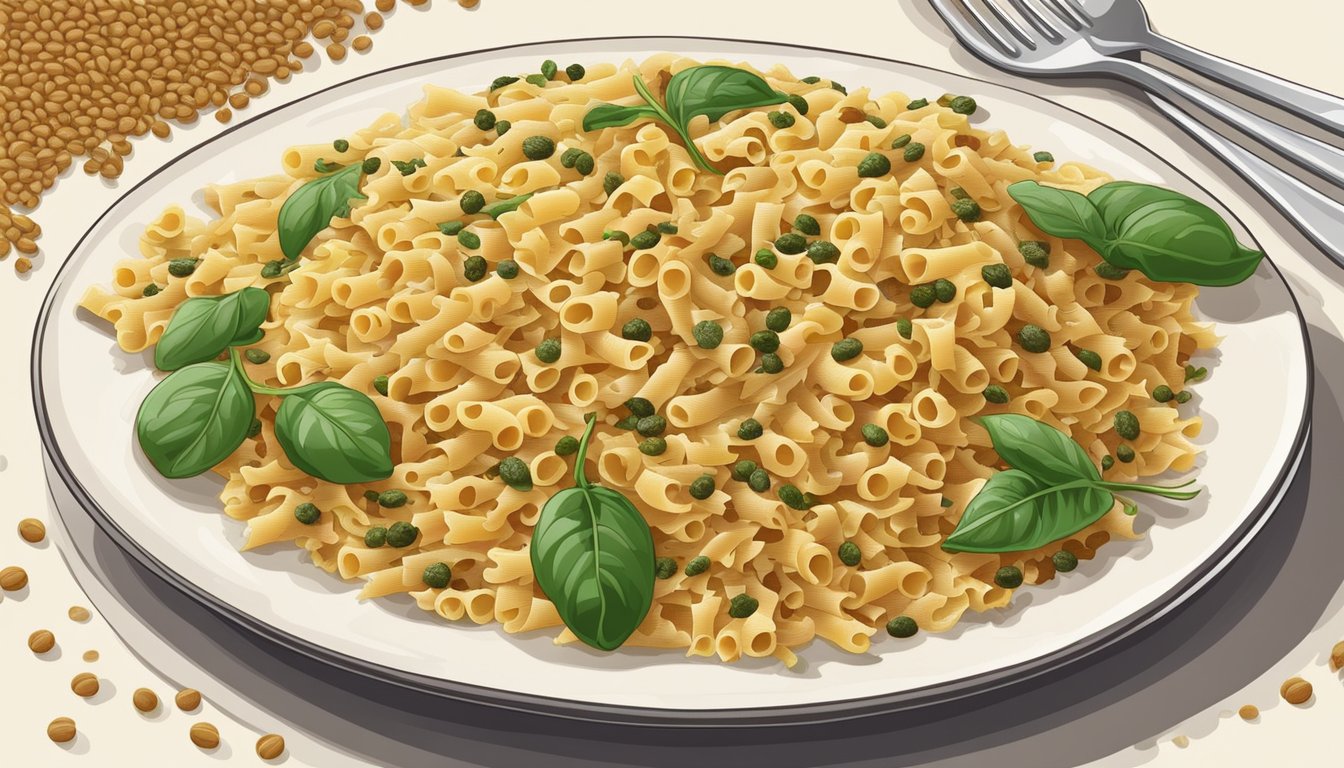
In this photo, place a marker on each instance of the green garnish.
(637, 329)
(502, 127)
(468, 239)
(874, 435)
(781, 119)
(617, 235)
(566, 446)
(375, 537)
(798, 103)
(759, 481)
(1089, 358)
(153, 290)
(850, 554)
(182, 267)
(742, 606)
(538, 147)
(451, 228)
(575, 73)
(651, 426)
(1124, 453)
(1035, 252)
(900, 141)
(846, 349)
(1183, 397)
(944, 290)
(742, 470)
(1064, 561)
(771, 363)
(1108, 271)
(549, 69)
(257, 356)
(1008, 577)
(874, 164)
(437, 575)
(778, 319)
(917, 104)
(765, 341)
(750, 429)
(507, 269)
(640, 407)
(645, 239)
(664, 567)
(653, 446)
(902, 626)
(876, 121)
(823, 252)
(548, 351)
(793, 498)
(471, 202)
(515, 473)
(611, 181)
(485, 119)
(807, 225)
(997, 275)
(1126, 425)
(408, 167)
(392, 499)
(1033, 338)
(538, 80)
(913, 152)
(340, 145)
(474, 268)
(963, 105)
(402, 534)
(1107, 462)
(697, 566)
(966, 209)
(702, 487)
(790, 243)
(322, 166)
(721, 266)
(708, 334)
(923, 296)
(766, 258)
(307, 513)
(1195, 374)
(500, 82)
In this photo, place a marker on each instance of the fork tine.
(1014, 28)
(1062, 12)
(990, 29)
(1078, 8)
(978, 39)
(1035, 19)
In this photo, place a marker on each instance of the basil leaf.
(204, 326)
(616, 115)
(714, 90)
(1040, 450)
(310, 208)
(495, 210)
(1015, 511)
(194, 419)
(1061, 212)
(334, 433)
(592, 555)
(1171, 237)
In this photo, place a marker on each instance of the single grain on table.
(78, 613)
(188, 699)
(1249, 712)
(270, 746)
(1295, 690)
(1337, 657)
(85, 684)
(13, 578)
(204, 735)
(145, 700)
(41, 641)
(61, 730)
(32, 530)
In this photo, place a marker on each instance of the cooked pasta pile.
(383, 292)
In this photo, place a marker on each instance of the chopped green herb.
(1043, 157)
(721, 266)
(471, 202)
(811, 80)
(702, 487)
(474, 268)
(468, 239)
(963, 105)
(902, 626)
(913, 152)
(617, 235)
(307, 513)
(778, 319)
(923, 296)
(995, 394)
(764, 341)
(846, 349)
(380, 385)
(708, 334)
(538, 80)
(451, 228)
(566, 446)
(1035, 252)
(1127, 425)
(549, 69)
(697, 566)
(408, 167)
(790, 243)
(640, 407)
(1124, 453)
(806, 224)
(1064, 561)
(850, 554)
(585, 164)
(798, 103)
(742, 606)
(500, 82)
(1108, 271)
(391, 499)
(876, 121)
(1163, 394)
(997, 275)
(182, 267)
(966, 209)
(1008, 577)
(742, 470)
(900, 141)
(653, 446)
(664, 568)
(402, 534)
(502, 127)
(375, 537)
(575, 72)
(1033, 338)
(823, 252)
(905, 327)
(485, 119)
(569, 157)
(793, 498)
(548, 351)
(340, 145)
(874, 164)
(627, 422)
(371, 165)
(437, 575)
(944, 290)
(771, 363)
(611, 181)
(637, 329)
(750, 429)
(515, 473)
(766, 258)
(257, 356)
(917, 104)
(781, 119)
(1195, 374)
(1089, 358)
(645, 239)
(1183, 397)
(507, 269)
(1107, 462)
(651, 426)
(538, 147)
(759, 481)
(874, 435)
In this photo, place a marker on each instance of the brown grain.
(13, 578)
(78, 613)
(41, 641)
(1249, 712)
(1295, 690)
(362, 43)
(188, 699)
(90, 656)
(145, 700)
(1337, 657)
(204, 735)
(336, 51)
(270, 746)
(468, 3)
(385, 5)
(31, 529)
(373, 21)
(61, 730)
(85, 684)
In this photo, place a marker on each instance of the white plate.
(1255, 406)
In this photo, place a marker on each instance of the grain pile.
(80, 78)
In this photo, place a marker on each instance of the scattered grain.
(385, 5)
(1181, 741)
(373, 21)
(41, 641)
(13, 578)
(223, 115)
(188, 699)
(270, 746)
(1337, 657)
(362, 43)
(90, 656)
(336, 51)
(204, 735)
(61, 730)
(468, 3)
(32, 530)
(1295, 690)
(1249, 712)
(145, 700)
(78, 613)
(85, 684)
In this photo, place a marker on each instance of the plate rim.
(1054, 663)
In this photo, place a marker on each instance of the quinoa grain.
(188, 699)
(85, 684)
(1249, 712)
(13, 578)
(204, 735)
(145, 700)
(32, 530)
(41, 641)
(1295, 690)
(61, 730)
(270, 746)
(78, 613)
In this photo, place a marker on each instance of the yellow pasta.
(384, 292)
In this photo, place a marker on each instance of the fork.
(1054, 42)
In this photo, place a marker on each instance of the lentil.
(145, 700)
(1295, 690)
(270, 746)
(188, 699)
(85, 684)
(13, 578)
(32, 530)
(204, 735)
(61, 730)
(41, 641)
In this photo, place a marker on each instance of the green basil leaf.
(1015, 511)
(1040, 450)
(204, 326)
(310, 208)
(194, 419)
(495, 210)
(713, 91)
(335, 434)
(1061, 212)
(592, 555)
(1170, 237)
(616, 115)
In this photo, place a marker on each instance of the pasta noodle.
(383, 293)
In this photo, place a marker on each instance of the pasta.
(385, 294)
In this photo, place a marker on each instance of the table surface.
(1278, 617)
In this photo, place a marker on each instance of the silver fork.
(1040, 42)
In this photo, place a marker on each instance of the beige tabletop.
(1281, 611)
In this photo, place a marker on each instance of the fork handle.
(1312, 154)
(1314, 106)
(1318, 217)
